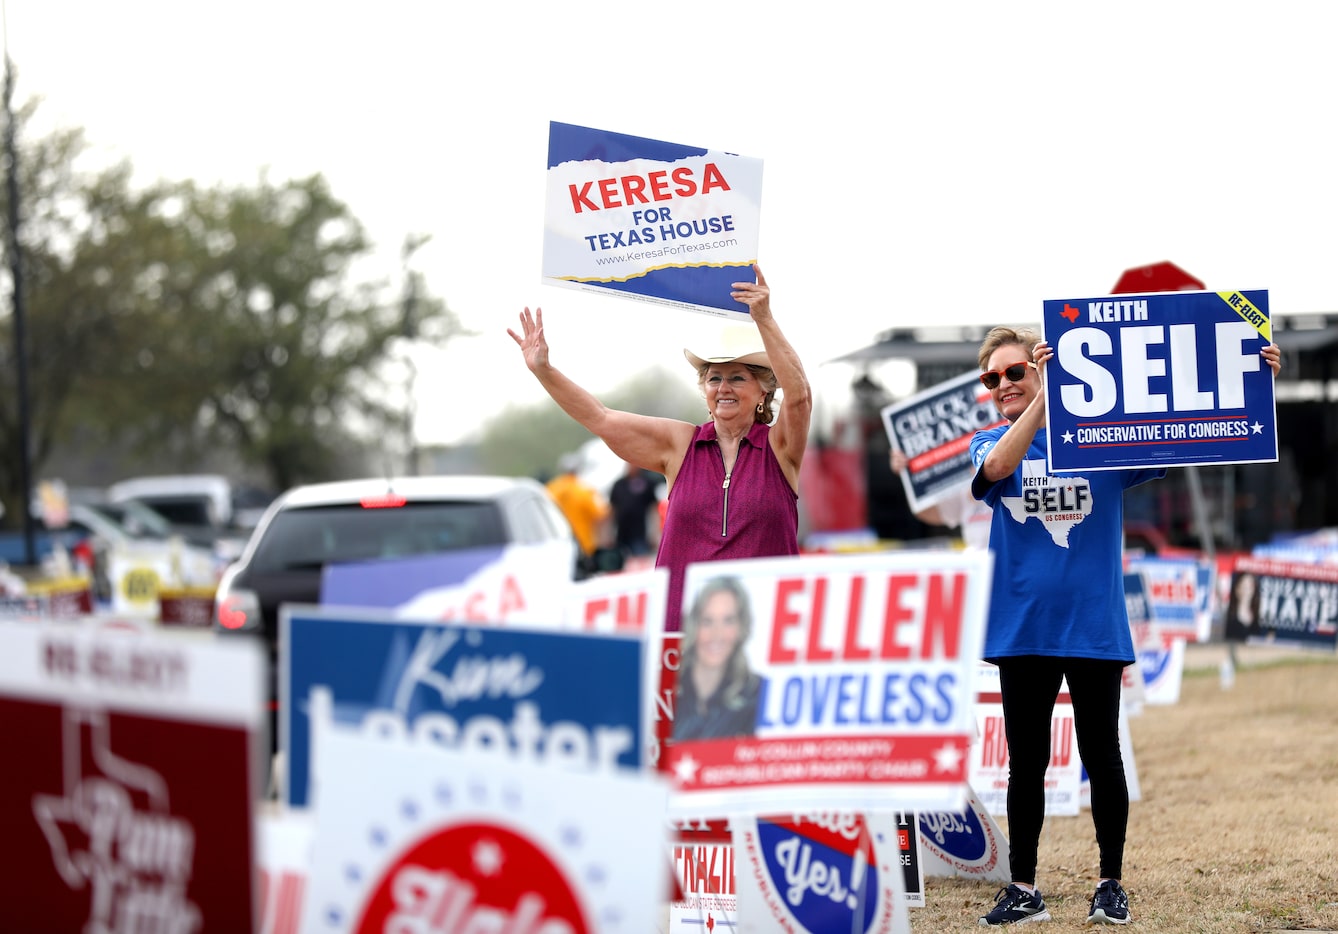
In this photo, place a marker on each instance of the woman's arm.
(654, 444)
(789, 436)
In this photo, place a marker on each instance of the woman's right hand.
(531, 340)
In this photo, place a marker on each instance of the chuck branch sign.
(933, 429)
(1166, 379)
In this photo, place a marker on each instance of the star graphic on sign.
(1257, 428)
(685, 769)
(948, 758)
(1068, 437)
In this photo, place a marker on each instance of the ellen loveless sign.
(866, 672)
(649, 220)
(933, 429)
(1167, 379)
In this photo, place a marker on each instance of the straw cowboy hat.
(733, 345)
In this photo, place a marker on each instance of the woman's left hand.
(755, 295)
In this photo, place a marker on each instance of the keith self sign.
(1086, 354)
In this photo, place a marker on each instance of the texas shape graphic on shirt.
(1060, 503)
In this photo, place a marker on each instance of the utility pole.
(20, 323)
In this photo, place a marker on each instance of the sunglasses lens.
(1014, 374)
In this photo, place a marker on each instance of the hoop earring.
(761, 407)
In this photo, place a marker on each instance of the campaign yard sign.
(569, 699)
(988, 764)
(965, 844)
(497, 584)
(131, 773)
(1178, 594)
(410, 838)
(823, 871)
(861, 686)
(708, 897)
(933, 428)
(650, 220)
(283, 859)
(1283, 601)
(1166, 379)
(630, 602)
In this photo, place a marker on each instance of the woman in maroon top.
(733, 481)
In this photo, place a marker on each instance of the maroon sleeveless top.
(757, 516)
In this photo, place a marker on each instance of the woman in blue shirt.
(1056, 613)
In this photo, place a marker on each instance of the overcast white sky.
(923, 162)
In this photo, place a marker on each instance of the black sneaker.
(1109, 905)
(1016, 906)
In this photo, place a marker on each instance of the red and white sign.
(989, 758)
(705, 876)
(451, 841)
(129, 784)
(284, 861)
(866, 665)
(621, 603)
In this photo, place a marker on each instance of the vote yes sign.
(1165, 379)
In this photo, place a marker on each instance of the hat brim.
(757, 358)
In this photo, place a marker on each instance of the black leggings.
(1030, 685)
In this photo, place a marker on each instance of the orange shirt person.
(584, 507)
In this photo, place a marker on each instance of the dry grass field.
(1237, 829)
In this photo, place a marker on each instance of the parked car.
(362, 520)
(115, 539)
(202, 508)
(311, 526)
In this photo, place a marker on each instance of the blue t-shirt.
(1057, 539)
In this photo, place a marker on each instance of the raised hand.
(755, 295)
(531, 340)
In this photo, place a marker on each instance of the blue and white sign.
(575, 700)
(933, 429)
(495, 584)
(650, 220)
(1178, 591)
(965, 844)
(1166, 379)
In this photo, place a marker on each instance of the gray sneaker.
(1109, 905)
(1016, 906)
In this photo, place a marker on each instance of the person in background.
(634, 499)
(1056, 613)
(717, 692)
(734, 480)
(958, 510)
(586, 510)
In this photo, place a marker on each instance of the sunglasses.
(1014, 373)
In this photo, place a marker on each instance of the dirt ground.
(1237, 828)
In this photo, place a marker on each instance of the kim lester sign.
(933, 429)
(1168, 379)
(649, 220)
(571, 700)
(863, 697)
